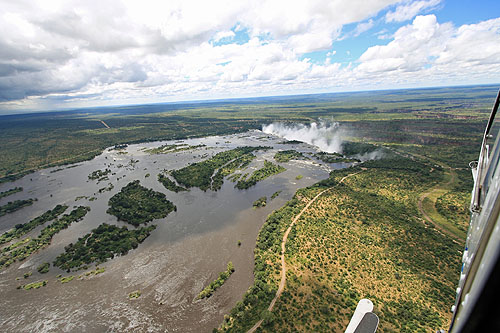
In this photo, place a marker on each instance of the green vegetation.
(275, 194)
(96, 271)
(290, 142)
(299, 177)
(136, 204)
(103, 243)
(10, 192)
(134, 294)
(27, 275)
(107, 188)
(170, 184)
(43, 268)
(119, 147)
(214, 285)
(20, 253)
(334, 158)
(287, 155)
(350, 148)
(375, 210)
(261, 202)
(66, 279)
(268, 170)
(11, 207)
(100, 175)
(33, 285)
(166, 149)
(442, 117)
(22, 229)
(405, 266)
(201, 174)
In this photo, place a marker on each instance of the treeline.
(12, 206)
(217, 283)
(136, 204)
(334, 158)
(170, 184)
(287, 155)
(266, 270)
(101, 244)
(268, 170)
(350, 148)
(10, 192)
(22, 250)
(23, 228)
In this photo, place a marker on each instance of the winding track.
(283, 244)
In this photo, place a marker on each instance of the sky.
(59, 54)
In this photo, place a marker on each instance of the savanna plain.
(172, 217)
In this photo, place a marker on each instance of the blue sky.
(75, 54)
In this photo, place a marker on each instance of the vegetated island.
(214, 285)
(136, 204)
(43, 268)
(21, 229)
(10, 192)
(99, 175)
(175, 148)
(23, 249)
(170, 184)
(290, 142)
(269, 169)
(287, 155)
(201, 174)
(275, 194)
(12, 206)
(101, 244)
(33, 285)
(261, 202)
(334, 158)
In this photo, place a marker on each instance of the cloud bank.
(73, 53)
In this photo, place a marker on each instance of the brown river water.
(184, 254)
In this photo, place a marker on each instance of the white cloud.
(436, 53)
(124, 51)
(229, 34)
(409, 9)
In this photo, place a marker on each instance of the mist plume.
(327, 137)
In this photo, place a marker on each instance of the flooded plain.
(184, 254)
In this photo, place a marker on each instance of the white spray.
(326, 136)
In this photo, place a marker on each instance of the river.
(183, 255)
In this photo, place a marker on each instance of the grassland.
(366, 237)
(362, 238)
(419, 117)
